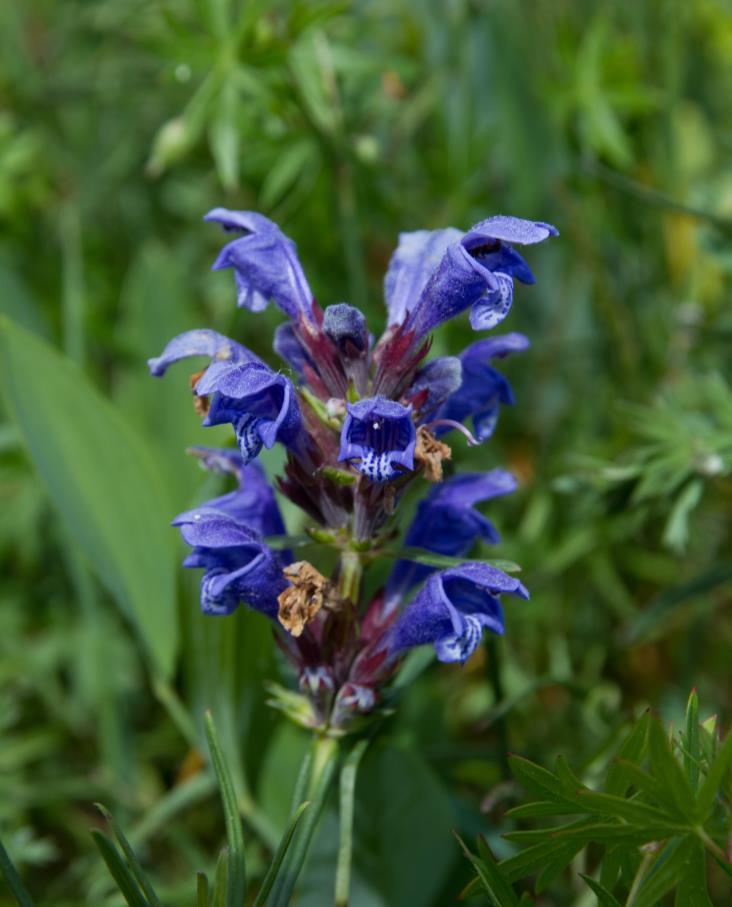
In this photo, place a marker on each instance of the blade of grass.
(345, 847)
(279, 856)
(236, 882)
(13, 880)
(325, 758)
(119, 871)
(131, 857)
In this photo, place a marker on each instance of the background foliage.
(122, 122)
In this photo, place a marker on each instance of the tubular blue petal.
(239, 566)
(447, 523)
(260, 404)
(452, 609)
(265, 263)
(412, 264)
(476, 269)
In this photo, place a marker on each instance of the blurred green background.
(122, 122)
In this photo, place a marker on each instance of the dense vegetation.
(123, 122)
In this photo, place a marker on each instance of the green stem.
(324, 760)
(345, 847)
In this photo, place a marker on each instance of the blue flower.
(435, 276)
(447, 523)
(452, 609)
(253, 503)
(239, 566)
(265, 264)
(260, 404)
(379, 436)
(200, 342)
(482, 389)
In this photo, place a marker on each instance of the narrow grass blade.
(236, 876)
(131, 857)
(692, 751)
(201, 889)
(279, 856)
(325, 758)
(345, 846)
(13, 880)
(119, 871)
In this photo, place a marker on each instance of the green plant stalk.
(349, 576)
(345, 846)
(324, 761)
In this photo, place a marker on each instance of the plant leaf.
(605, 898)
(497, 887)
(103, 481)
(119, 870)
(236, 885)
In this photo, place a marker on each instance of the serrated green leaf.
(605, 898)
(236, 867)
(103, 481)
(119, 870)
(497, 887)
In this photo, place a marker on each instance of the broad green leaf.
(403, 819)
(103, 481)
